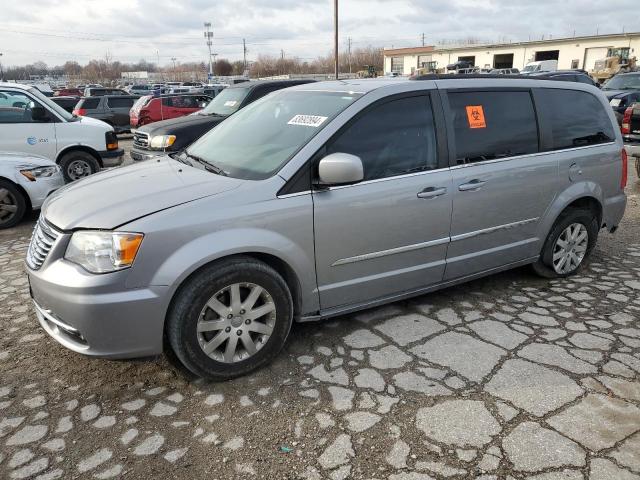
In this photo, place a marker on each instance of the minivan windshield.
(257, 141)
(531, 68)
(52, 105)
(226, 102)
(623, 82)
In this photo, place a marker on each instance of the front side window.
(257, 141)
(559, 109)
(394, 138)
(16, 107)
(493, 124)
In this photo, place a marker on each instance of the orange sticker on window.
(475, 115)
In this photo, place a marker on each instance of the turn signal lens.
(125, 247)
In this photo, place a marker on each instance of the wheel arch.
(81, 148)
(278, 264)
(577, 195)
(21, 189)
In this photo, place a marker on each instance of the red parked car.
(149, 109)
(68, 92)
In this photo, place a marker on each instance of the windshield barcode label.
(307, 120)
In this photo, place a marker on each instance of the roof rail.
(452, 76)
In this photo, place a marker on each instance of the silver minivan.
(320, 200)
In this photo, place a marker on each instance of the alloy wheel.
(570, 248)
(8, 206)
(236, 322)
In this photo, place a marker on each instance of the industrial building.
(574, 52)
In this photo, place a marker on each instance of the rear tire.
(239, 339)
(559, 245)
(13, 205)
(78, 164)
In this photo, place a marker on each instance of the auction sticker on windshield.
(230, 103)
(307, 120)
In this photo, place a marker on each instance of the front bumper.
(95, 314)
(111, 158)
(140, 155)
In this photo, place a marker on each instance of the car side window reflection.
(394, 138)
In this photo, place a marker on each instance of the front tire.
(13, 205)
(78, 164)
(569, 244)
(230, 318)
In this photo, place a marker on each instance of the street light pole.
(335, 31)
(208, 34)
(173, 59)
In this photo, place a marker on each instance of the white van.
(540, 66)
(30, 123)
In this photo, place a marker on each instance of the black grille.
(42, 240)
(141, 140)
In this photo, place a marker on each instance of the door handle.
(432, 192)
(472, 186)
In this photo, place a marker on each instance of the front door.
(20, 132)
(502, 186)
(388, 234)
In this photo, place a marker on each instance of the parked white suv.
(32, 124)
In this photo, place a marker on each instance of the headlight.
(102, 252)
(162, 141)
(39, 172)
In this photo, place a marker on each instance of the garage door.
(593, 54)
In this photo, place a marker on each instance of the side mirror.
(340, 169)
(39, 114)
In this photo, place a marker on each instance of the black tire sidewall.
(185, 311)
(21, 202)
(588, 220)
(70, 157)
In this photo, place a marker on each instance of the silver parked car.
(320, 200)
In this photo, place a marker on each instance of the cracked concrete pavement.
(507, 377)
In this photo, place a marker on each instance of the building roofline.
(399, 51)
(403, 51)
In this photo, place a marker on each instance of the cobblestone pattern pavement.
(507, 377)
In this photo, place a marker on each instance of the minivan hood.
(112, 198)
(611, 94)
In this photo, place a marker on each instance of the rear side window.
(490, 125)
(89, 103)
(394, 138)
(575, 118)
(120, 102)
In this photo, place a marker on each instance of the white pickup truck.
(30, 123)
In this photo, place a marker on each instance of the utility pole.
(349, 49)
(335, 40)
(244, 55)
(208, 35)
(281, 54)
(423, 39)
(173, 59)
(1, 71)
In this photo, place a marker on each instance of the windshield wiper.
(207, 165)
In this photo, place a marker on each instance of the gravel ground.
(506, 377)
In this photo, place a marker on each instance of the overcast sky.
(58, 30)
